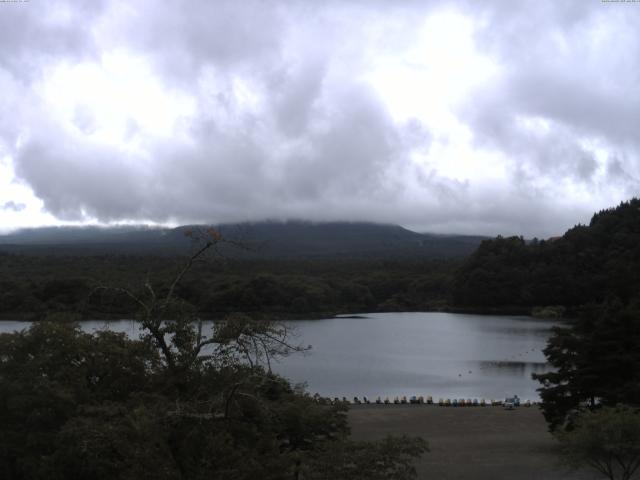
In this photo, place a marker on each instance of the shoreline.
(279, 316)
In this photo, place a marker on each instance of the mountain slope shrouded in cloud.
(262, 239)
(298, 269)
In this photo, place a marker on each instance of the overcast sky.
(494, 117)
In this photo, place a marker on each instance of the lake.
(440, 354)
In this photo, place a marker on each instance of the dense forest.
(592, 273)
(354, 272)
(589, 263)
(33, 286)
(278, 270)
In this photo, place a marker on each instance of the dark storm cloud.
(285, 124)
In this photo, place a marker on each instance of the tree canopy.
(180, 402)
(596, 362)
(587, 264)
(607, 440)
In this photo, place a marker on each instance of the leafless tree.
(179, 333)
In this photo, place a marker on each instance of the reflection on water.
(388, 354)
(438, 354)
(518, 368)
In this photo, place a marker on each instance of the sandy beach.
(479, 443)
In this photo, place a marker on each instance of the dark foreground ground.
(469, 443)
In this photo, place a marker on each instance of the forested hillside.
(299, 269)
(289, 269)
(587, 264)
(261, 240)
(36, 286)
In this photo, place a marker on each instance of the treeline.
(592, 273)
(589, 264)
(37, 286)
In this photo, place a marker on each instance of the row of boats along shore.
(509, 402)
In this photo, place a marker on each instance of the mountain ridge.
(266, 238)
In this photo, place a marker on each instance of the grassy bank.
(469, 443)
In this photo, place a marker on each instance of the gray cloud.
(568, 89)
(13, 206)
(31, 32)
(285, 124)
(76, 180)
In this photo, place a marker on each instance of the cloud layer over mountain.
(478, 117)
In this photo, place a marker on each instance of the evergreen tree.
(596, 361)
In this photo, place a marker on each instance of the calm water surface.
(388, 354)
